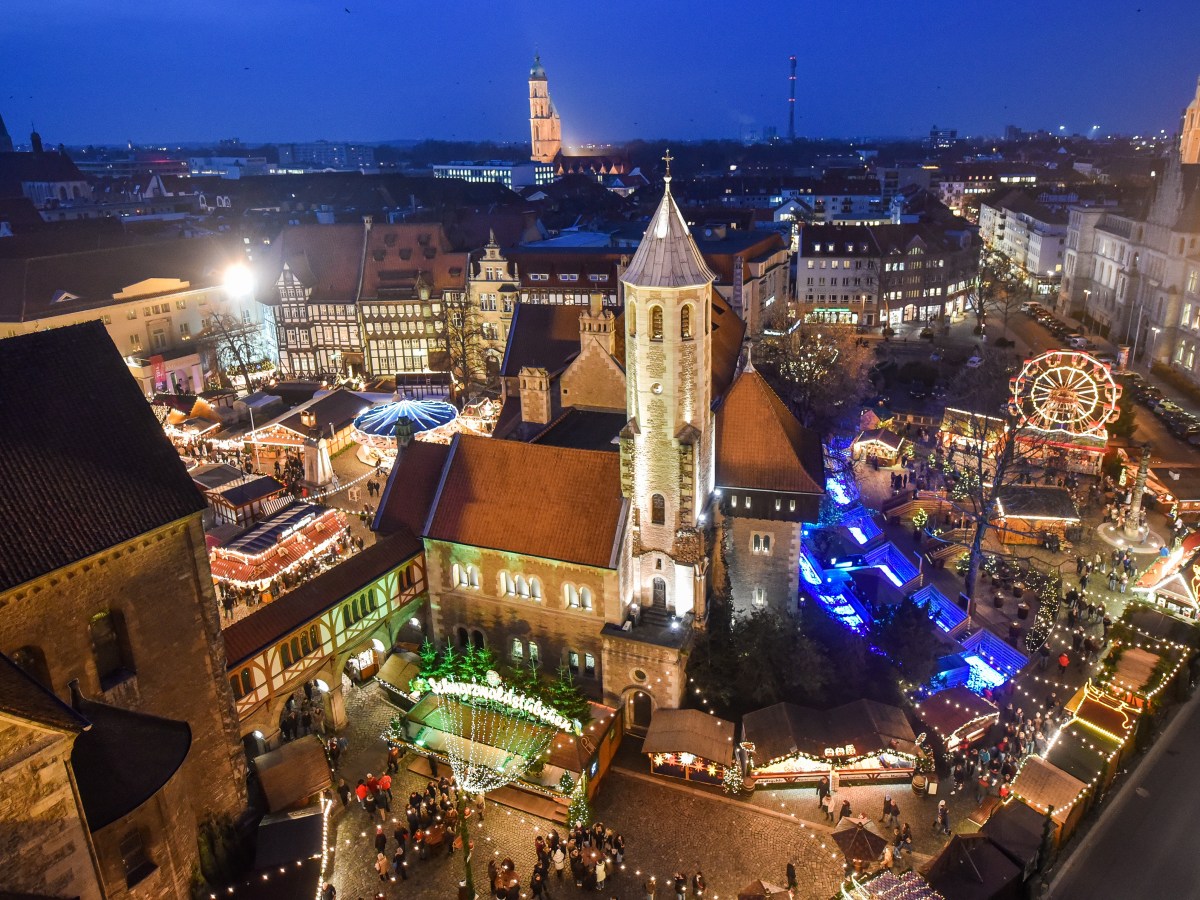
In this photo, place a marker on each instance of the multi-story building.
(963, 187)
(178, 310)
(513, 175)
(355, 299)
(1030, 236)
(327, 155)
(107, 607)
(885, 274)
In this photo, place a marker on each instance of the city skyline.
(372, 72)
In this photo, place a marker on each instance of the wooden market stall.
(689, 744)
(1044, 786)
(1026, 513)
(958, 716)
(878, 445)
(292, 775)
(861, 740)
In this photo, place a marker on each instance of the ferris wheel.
(1065, 390)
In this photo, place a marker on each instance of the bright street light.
(239, 280)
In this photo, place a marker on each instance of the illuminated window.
(589, 665)
(656, 323)
(658, 509)
(535, 589)
(760, 597)
(573, 662)
(585, 598)
(685, 323)
(518, 650)
(570, 595)
(534, 654)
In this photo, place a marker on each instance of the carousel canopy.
(380, 421)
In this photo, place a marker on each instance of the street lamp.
(239, 286)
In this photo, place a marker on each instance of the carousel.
(378, 431)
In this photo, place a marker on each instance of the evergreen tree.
(566, 784)
(733, 783)
(429, 657)
(448, 664)
(580, 811)
(563, 695)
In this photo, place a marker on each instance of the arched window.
(32, 661)
(347, 617)
(570, 595)
(522, 587)
(473, 576)
(656, 323)
(585, 598)
(305, 646)
(757, 544)
(247, 682)
(463, 640)
(507, 586)
(296, 654)
(477, 639)
(518, 650)
(456, 575)
(314, 638)
(535, 588)
(110, 648)
(235, 687)
(766, 543)
(658, 509)
(685, 323)
(631, 315)
(285, 655)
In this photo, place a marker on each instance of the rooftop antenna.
(792, 100)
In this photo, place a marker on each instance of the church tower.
(6, 144)
(544, 126)
(1189, 146)
(667, 445)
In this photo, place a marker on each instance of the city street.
(1144, 843)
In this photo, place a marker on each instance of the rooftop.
(667, 256)
(84, 464)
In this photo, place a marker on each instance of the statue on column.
(1133, 520)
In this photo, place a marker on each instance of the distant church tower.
(544, 126)
(667, 445)
(1189, 147)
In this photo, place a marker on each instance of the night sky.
(93, 71)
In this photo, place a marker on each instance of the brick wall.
(43, 841)
(161, 585)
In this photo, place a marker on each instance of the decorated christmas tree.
(580, 812)
(733, 783)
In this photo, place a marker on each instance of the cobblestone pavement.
(665, 828)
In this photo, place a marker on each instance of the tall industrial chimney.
(792, 100)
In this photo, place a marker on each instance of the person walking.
(601, 873)
(698, 885)
(843, 812)
(381, 866)
(827, 807)
(943, 818)
(822, 789)
(1063, 662)
(680, 886)
(399, 864)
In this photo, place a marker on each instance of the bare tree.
(996, 291)
(819, 370)
(988, 452)
(231, 344)
(466, 342)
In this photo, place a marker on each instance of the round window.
(639, 675)
(656, 388)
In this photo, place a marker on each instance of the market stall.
(862, 740)
(1026, 514)
(292, 775)
(1045, 787)
(295, 536)
(958, 716)
(689, 744)
(878, 446)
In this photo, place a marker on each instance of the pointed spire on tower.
(667, 255)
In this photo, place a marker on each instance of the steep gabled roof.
(531, 499)
(542, 336)
(22, 697)
(84, 464)
(667, 255)
(761, 446)
(325, 258)
(411, 487)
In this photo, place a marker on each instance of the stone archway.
(638, 706)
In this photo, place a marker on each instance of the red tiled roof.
(84, 464)
(397, 254)
(325, 258)
(537, 500)
(411, 487)
(296, 608)
(761, 446)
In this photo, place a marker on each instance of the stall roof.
(285, 837)
(398, 670)
(1042, 784)
(248, 490)
(971, 867)
(1135, 668)
(690, 731)
(214, 476)
(336, 411)
(1034, 502)
(1103, 712)
(951, 709)
(1081, 753)
(786, 729)
(884, 436)
(1017, 830)
(292, 773)
(266, 534)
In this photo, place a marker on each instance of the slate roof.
(124, 759)
(277, 620)
(667, 255)
(541, 336)
(761, 446)
(501, 495)
(583, 429)
(22, 697)
(30, 286)
(84, 464)
(337, 409)
(410, 489)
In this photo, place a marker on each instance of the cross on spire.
(667, 157)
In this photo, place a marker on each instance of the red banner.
(160, 373)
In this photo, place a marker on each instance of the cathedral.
(638, 466)
(545, 129)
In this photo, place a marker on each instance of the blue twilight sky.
(116, 70)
